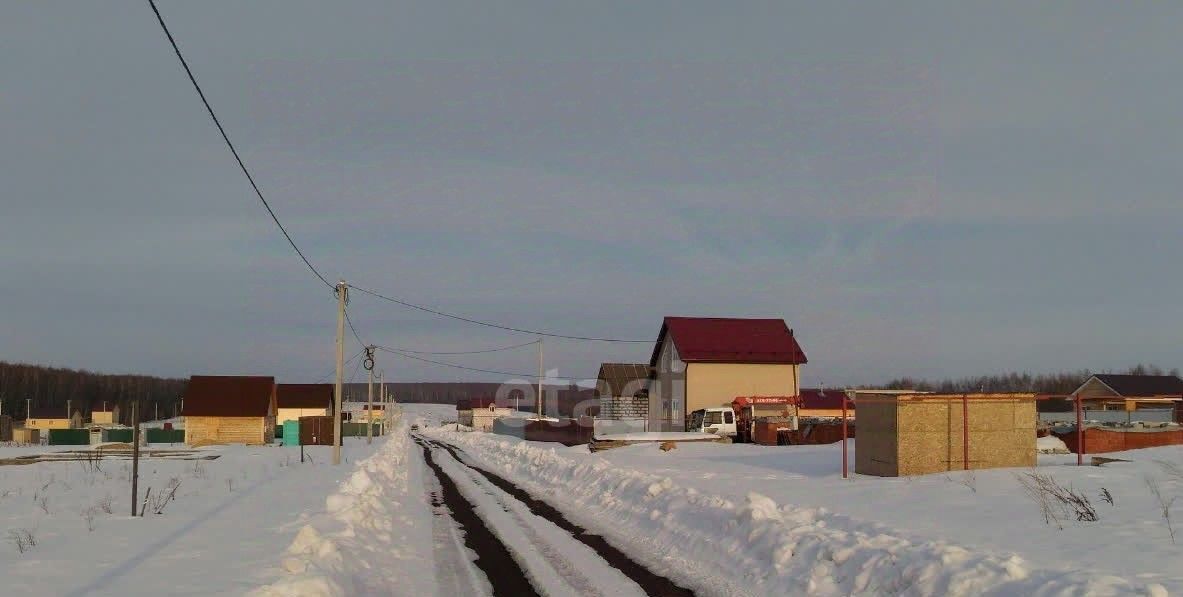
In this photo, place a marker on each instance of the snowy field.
(743, 519)
(719, 519)
(228, 518)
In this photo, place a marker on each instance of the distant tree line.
(1063, 382)
(87, 391)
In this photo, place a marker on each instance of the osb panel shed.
(922, 434)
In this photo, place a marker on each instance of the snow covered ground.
(229, 516)
(742, 519)
(720, 519)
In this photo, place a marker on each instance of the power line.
(330, 373)
(226, 138)
(492, 325)
(454, 365)
(354, 330)
(259, 193)
(464, 351)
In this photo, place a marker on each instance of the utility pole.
(156, 405)
(28, 408)
(135, 454)
(370, 396)
(540, 379)
(342, 296)
(382, 398)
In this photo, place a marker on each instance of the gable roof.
(614, 378)
(1142, 385)
(304, 395)
(228, 396)
(730, 340)
(50, 412)
(818, 399)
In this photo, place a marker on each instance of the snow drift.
(756, 546)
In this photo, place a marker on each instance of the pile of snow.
(719, 544)
(659, 436)
(373, 535)
(1051, 445)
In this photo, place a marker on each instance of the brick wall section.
(622, 407)
(1100, 441)
(816, 433)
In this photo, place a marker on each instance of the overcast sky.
(918, 189)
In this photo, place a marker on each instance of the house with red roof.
(704, 362)
(819, 402)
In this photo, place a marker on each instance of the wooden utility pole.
(540, 379)
(342, 296)
(135, 454)
(370, 396)
(382, 398)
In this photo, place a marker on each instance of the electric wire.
(274, 217)
(493, 325)
(330, 373)
(226, 138)
(455, 352)
(454, 365)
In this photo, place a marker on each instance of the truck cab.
(720, 421)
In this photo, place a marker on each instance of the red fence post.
(1079, 433)
(965, 430)
(844, 465)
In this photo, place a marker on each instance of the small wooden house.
(55, 417)
(295, 400)
(917, 434)
(230, 410)
(105, 417)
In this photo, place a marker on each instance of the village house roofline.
(1138, 385)
(730, 340)
(229, 396)
(304, 395)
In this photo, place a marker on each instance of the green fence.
(69, 437)
(119, 435)
(165, 436)
(358, 429)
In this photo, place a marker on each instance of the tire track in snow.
(560, 565)
(454, 571)
(493, 558)
(650, 582)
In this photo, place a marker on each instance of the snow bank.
(659, 436)
(371, 537)
(721, 546)
(1051, 445)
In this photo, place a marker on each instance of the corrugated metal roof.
(815, 398)
(304, 395)
(228, 396)
(730, 340)
(1142, 385)
(614, 378)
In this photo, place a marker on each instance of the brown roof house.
(229, 410)
(53, 417)
(1106, 391)
(703, 362)
(295, 400)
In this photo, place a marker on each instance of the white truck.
(739, 420)
(720, 421)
